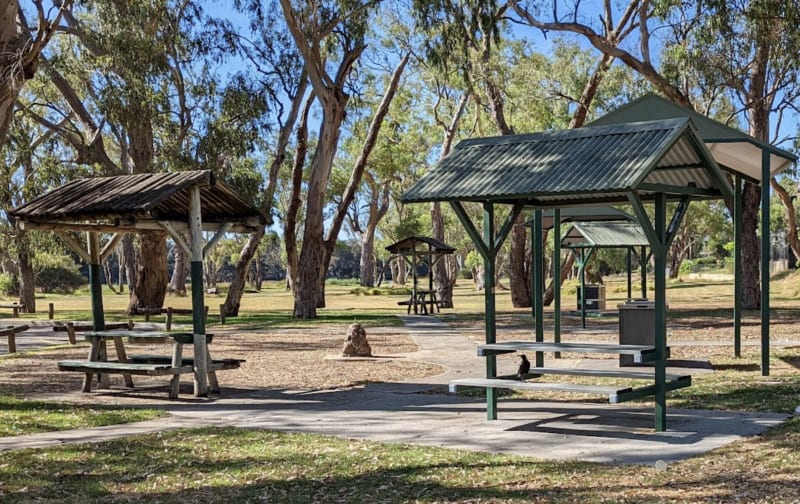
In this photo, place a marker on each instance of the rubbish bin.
(636, 326)
(595, 297)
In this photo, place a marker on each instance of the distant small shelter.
(175, 203)
(419, 250)
(583, 238)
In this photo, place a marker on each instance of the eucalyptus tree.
(273, 69)
(401, 148)
(21, 43)
(745, 50)
(331, 36)
(131, 92)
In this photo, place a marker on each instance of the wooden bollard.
(222, 314)
(50, 311)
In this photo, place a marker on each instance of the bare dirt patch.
(278, 358)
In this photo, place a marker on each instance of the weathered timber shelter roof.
(733, 149)
(604, 235)
(409, 245)
(139, 202)
(590, 165)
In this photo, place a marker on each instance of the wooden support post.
(96, 285)
(198, 303)
(177, 361)
(12, 343)
(222, 314)
(119, 347)
(50, 311)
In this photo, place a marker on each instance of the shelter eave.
(125, 225)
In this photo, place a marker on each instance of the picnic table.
(97, 362)
(423, 301)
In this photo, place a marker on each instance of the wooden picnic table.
(423, 301)
(98, 364)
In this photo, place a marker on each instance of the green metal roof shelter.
(585, 237)
(552, 219)
(630, 163)
(745, 158)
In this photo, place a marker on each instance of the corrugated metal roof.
(604, 234)
(565, 168)
(731, 148)
(583, 214)
(410, 244)
(150, 197)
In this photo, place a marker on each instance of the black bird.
(524, 367)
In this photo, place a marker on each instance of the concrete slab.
(546, 430)
(421, 412)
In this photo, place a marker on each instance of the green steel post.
(198, 320)
(765, 252)
(95, 282)
(98, 316)
(628, 265)
(643, 264)
(557, 278)
(737, 266)
(581, 274)
(538, 269)
(660, 255)
(489, 304)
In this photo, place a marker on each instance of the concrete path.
(419, 412)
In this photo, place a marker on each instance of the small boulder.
(356, 344)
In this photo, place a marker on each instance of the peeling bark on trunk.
(751, 262)
(177, 284)
(236, 289)
(131, 261)
(151, 275)
(519, 266)
(27, 288)
(791, 217)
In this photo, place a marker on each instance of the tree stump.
(356, 344)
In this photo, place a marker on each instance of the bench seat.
(640, 353)
(216, 364)
(610, 391)
(615, 394)
(600, 373)
(122, 368)
(11, 333)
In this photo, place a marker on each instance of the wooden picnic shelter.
(177, 203)
(417, 250)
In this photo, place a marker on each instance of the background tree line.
(322, 112)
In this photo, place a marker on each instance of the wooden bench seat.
(11, 333)
(215, 364)
(169, 311)
(15, 308)
(71, 328)
(122, 368)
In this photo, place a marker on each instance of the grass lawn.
(241, 465)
